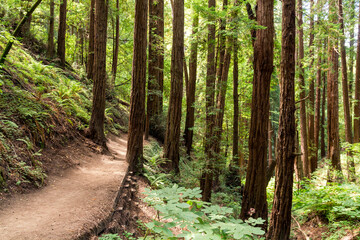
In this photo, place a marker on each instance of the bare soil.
(81, 190)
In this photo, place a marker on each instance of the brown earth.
(81, 190)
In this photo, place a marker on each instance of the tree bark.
(236, 157)
(280, 221)
(207, 176)
(311, 135)
(303, 127)
(346, 104)
(62, 32)
(90, 59)
(323, 106)
(333, 95)
(317, 108)
(155, 62)
(254, 196)
(51, 47)
(134, 154)
(96, 125)
(172, 137)
(357, 93)
(116, 45)
(191, 87)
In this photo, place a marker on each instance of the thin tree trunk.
(346, 104)
(90, 59)
(155, 63)
(224, 64)
(62, 33)
(333, 95)
(134, 154)
(191, 87)
(311, 135)
(303, 127)
(323, 106)
(172, 137)
(236, 157)
(352, 52)
(96, 125)
(317, 108)
(280, 221)
(116, 45)
(207, 176)
(51, 46)
(357, 92)
(17, 31)
(254, 196)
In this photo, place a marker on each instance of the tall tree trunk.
(357, 92)
(224, 64)
(51, 47)
(62, 33)
(280, 221)
(311, 135)
(351, 52)
(155, 62)
(346, 104)
(317, 107)
(207, 176)
(323, 106)
(235, 161)
(96, 126)
(255, 187)
(191, 87)
(116, 45)
(303, 127)
(134, 154)
(333, 95)
(172, 137)
(90, 59)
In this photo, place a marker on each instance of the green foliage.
(333, 201)
(152, 166)
(181, 208)
(110, 237)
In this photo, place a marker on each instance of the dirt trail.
(73, 201)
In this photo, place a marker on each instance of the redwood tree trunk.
(280, 221)
(96, 126)
(333, 95)
(322, 125)
(190, 88)
(51, 47)
(357, 93)
(116, 45)
(90, 59)
(62, 33)
(134, 154)
(311, 135)
(236, 157)
(172, 137)
(155, 62)
(346, 104)
(303, 127)
(317, 107)
(255, 187)
(207, 176)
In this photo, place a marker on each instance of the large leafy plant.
(182, 215)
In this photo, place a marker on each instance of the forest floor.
(82, 186)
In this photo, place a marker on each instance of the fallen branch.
(306, 236)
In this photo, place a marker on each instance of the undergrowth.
(41, 105)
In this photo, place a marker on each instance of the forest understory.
(194, 120)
